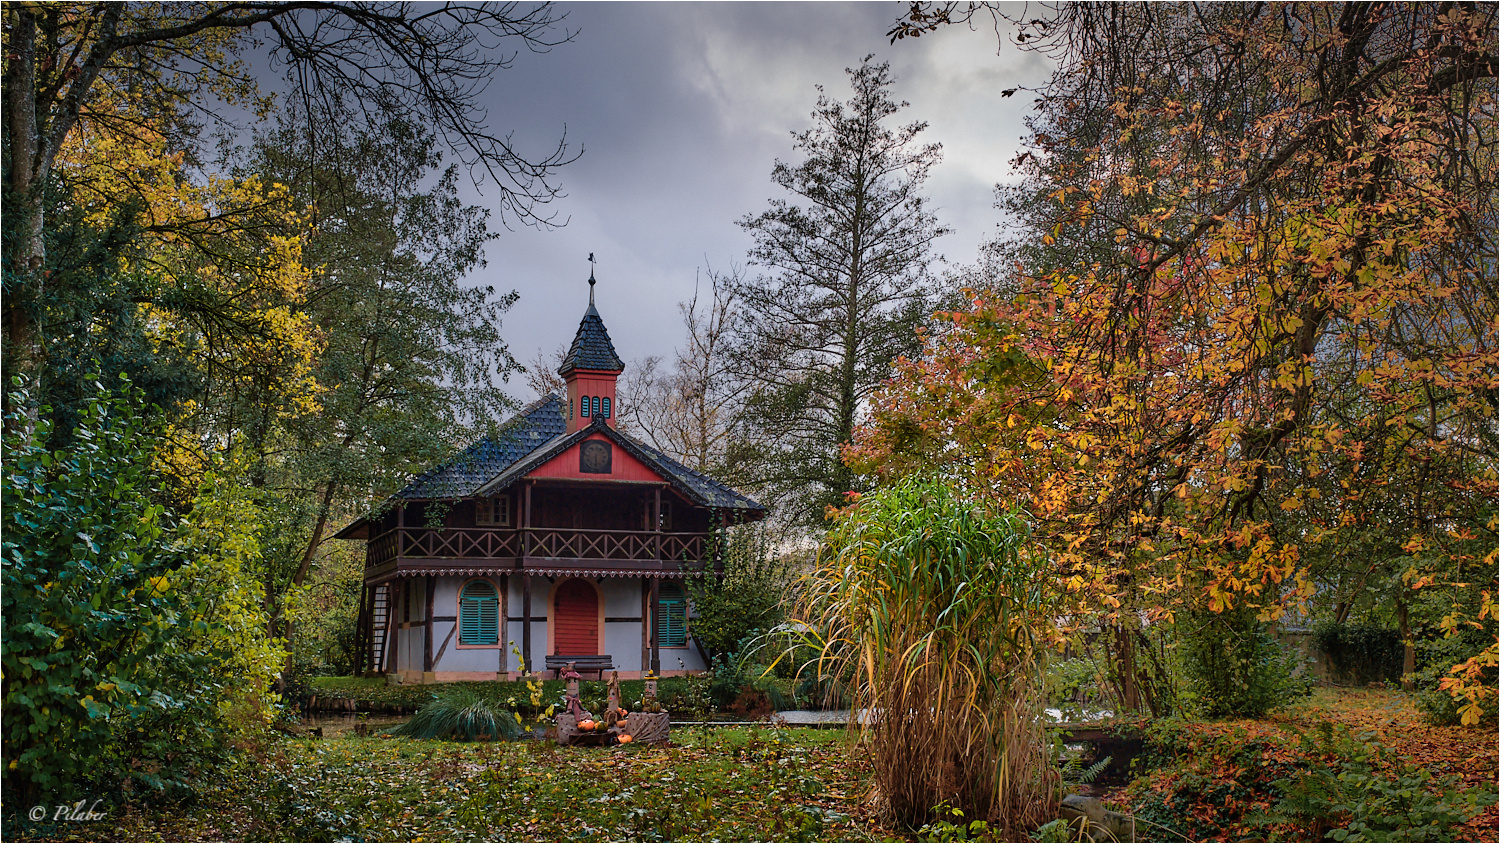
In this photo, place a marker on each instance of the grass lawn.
(727, 784)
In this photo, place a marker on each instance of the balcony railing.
(548, 543)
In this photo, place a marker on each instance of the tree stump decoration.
(648, 727)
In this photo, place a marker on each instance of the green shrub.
(463, 714)
(1434, 658)
(1072, 681)
(745, 596)
(1353, 789)
(1232, 666)
(821, 692)
(1360, 653)
(728, 678)
(134, 637)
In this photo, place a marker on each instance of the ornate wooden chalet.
(573, 534)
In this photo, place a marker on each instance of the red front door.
(575, 618)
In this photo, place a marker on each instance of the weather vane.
(591, 278)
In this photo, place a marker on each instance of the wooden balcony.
(510, 547)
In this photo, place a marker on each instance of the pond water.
(336, 724)
(1078, 714)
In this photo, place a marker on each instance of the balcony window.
(492, 512)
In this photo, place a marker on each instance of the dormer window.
(492, 512)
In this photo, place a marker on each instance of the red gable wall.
(625, 467)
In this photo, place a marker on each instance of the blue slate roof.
(537, 424)
(532, 437)
(591, 346)
(703, 488)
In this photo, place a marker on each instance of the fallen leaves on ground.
(725, 784)
(1214, 787)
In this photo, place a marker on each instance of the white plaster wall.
(538, 640)
(454, 658)
(622, 639)
(541, 587)
(409, 650)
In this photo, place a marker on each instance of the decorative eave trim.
(483, 571)
(570, 572)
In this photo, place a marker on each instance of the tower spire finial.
(591, 278)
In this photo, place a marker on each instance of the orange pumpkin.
(586, 725)
(625, 738)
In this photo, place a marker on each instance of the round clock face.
(594, 457)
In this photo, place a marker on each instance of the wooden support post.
(526, 619)
(656, 523)
(656, 626)
(526, 578)
(427, 666)
(645, 624)
(361, 621)
(526, 523)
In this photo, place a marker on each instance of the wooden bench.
(558, 663)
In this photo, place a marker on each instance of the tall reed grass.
(930, 604)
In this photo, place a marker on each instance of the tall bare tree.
(690, 412)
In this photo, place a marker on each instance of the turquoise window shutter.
(671, 609)
(583, 407)
(478, 615)
(606, 407)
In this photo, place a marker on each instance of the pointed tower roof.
(591, 346)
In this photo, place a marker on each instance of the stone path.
(833, 718)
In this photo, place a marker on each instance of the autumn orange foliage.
(1250, 337)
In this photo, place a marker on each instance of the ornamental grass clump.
(932, 605)
(461, 714)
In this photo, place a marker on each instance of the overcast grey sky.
(682, 109)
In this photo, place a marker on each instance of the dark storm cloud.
(682, 110)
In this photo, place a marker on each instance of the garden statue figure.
(614, 690)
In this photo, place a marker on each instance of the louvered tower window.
(583, 406)
(478, 614)
(671, 611)
(605, 414)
